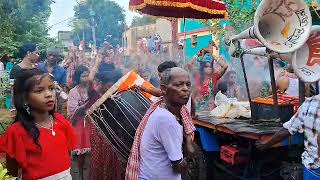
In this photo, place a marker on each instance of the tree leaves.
(240, 18)
(108, 21)
(3, 174)
(144, 20)
(23, 21)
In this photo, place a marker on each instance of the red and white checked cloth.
(132, 170)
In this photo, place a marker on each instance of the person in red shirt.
(39, 142)
(206, 80)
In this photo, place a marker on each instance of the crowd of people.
(51, 98)
(46, 92)
(39, 102)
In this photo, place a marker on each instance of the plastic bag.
(221, 99)
(230, 107)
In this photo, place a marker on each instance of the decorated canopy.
(196, 9)
(247, 4)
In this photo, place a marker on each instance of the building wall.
(132, 34)
(203, 41)
(165, 28)
(162, 27)
(66, 38)
(191, 25)
(194, 27)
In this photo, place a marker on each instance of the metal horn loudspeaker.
(306, 64)
(282, 26)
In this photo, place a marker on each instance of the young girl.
(233, 89)
(39, 141)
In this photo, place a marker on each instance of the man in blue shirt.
(54, 56)
(51, 66)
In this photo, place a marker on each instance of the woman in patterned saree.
(206, 81)
(78, 103)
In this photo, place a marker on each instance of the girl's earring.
(27, 108)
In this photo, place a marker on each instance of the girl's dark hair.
(78, 72)
(201, 70)
(28, 47)
(25, 80)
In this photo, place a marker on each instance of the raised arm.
(191, 63)
(153, 91)
(95, 67)
(224, 67)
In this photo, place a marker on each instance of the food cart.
(229, 144)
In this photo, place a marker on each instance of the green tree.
(109, 20)
(241, 17)
(80, 26)
(144, 20)
(23, 21)
(8, 43)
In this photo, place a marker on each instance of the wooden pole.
(301, 91)
(274, 87)
(246, 83)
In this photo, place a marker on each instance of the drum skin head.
(119, 117)
(119, 111)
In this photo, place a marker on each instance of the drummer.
(160, 133)
(101, 149)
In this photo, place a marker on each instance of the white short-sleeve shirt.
(161, 143)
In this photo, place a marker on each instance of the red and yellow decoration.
(195, 9)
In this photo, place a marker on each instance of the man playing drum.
(157, 149)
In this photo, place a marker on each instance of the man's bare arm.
(153, 91)
(281, 135)
(179, 166)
